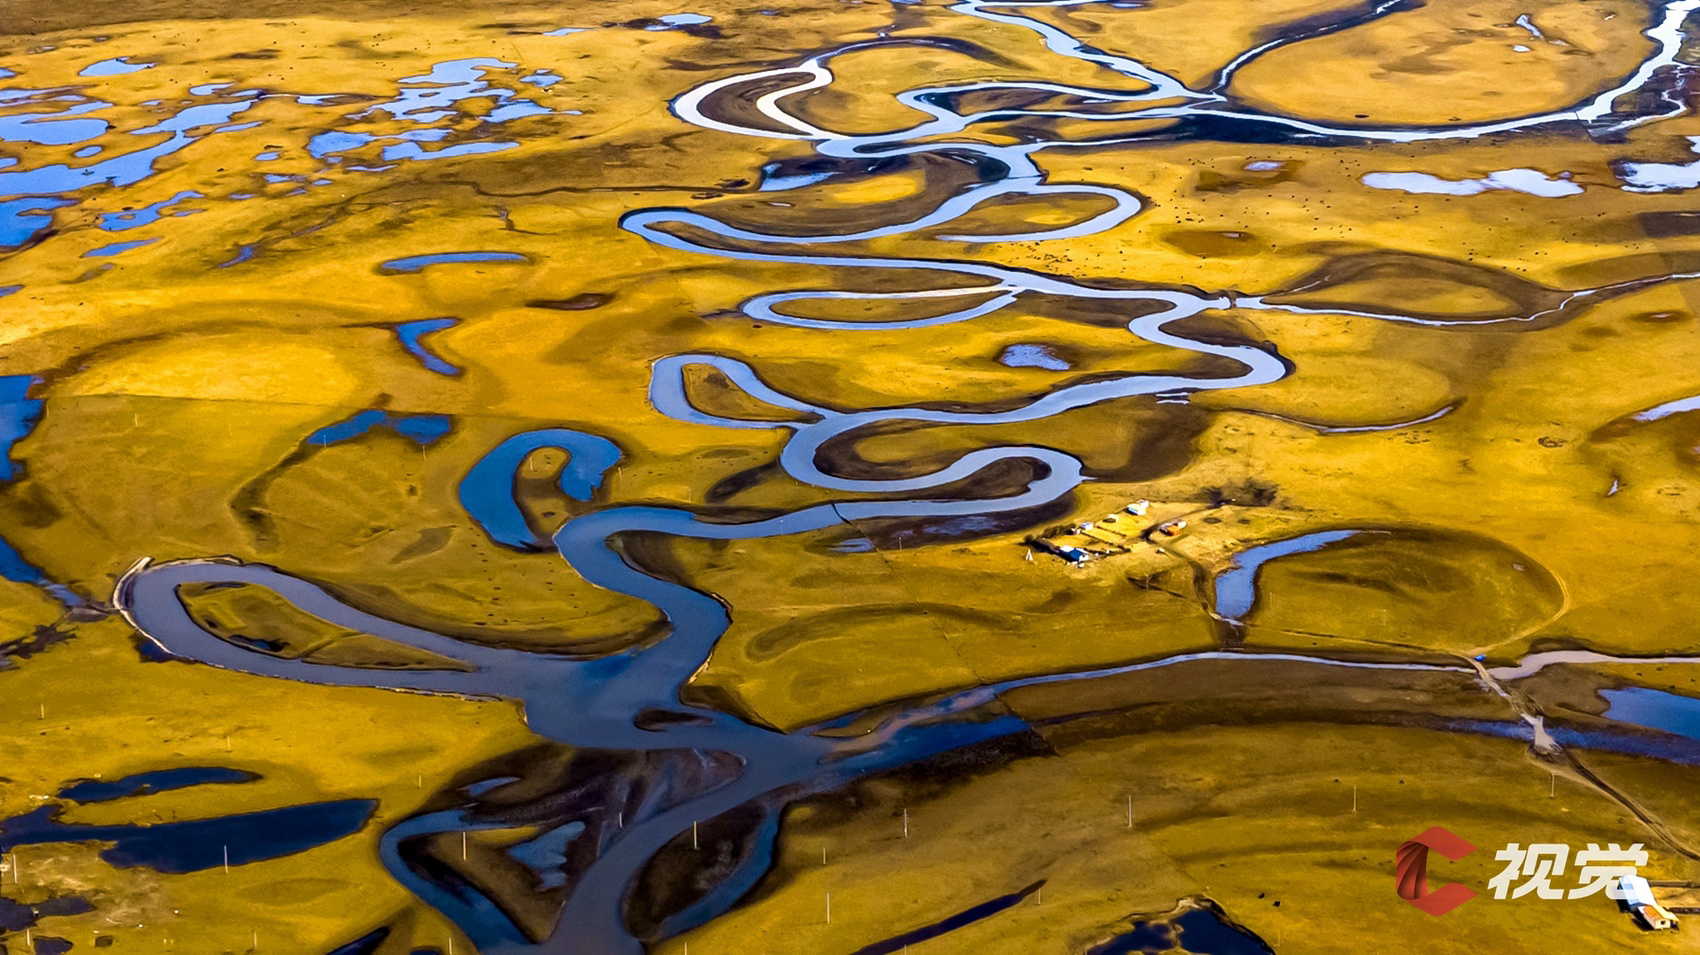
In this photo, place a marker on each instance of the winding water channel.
(631, 701)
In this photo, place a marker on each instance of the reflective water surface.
(979, 475)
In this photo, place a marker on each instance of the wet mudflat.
(831, 477)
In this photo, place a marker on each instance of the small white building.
(1638, 895)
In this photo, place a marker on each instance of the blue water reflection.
(153, 781)
(115, 248)
(422, 429)
(455, 108)
(148, 214)
(1655, 709)
(1236, 587)
(1033, 356)
(59, 128)
(412, 334)
(417, 263)
(117, 66)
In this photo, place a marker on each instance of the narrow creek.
(631, 700)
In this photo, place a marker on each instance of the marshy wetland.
(995, 476)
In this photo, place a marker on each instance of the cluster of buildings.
(1637, 897)
(1111, 534)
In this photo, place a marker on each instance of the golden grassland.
(99, 712)
(180, 397)
(1212, 817)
